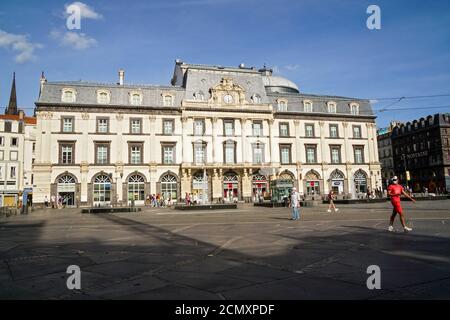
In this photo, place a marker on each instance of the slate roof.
(191, 78)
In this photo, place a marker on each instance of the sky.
(324, 46)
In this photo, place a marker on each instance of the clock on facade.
(227, 98)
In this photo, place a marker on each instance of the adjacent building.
(421, 147)
(17, 146)
(221, 133)
(385, 154)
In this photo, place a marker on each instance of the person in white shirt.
(295, 204)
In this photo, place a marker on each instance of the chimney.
(121, 77)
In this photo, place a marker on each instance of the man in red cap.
(395, 191)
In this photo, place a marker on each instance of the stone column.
(272, 147)
(153, 153)
(298, 155)
(217, 185)
(243, 141)
(120, 143)
(185, 182)
(370, 140)
(246, 186)
(85, 139)
(84, 170)
(323, 150)
(185, 143)
(214, 138)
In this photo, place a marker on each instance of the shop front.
(259, 187)
(230, 187)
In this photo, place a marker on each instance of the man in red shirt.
(395, 191)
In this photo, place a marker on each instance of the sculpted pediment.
(227, 92)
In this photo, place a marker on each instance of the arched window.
(286, 176)
(169, 186)
(102, 189)
(68, 95)
(308, 106)
(336, 175)
(331, 107)
(360, 179)
(103, 97)
(168, 100)
(354, 108)
(136, 184)
(282, 105)
(66, 183)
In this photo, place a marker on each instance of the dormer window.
(103, 97)
(282, 105)
(256, 98)
(354, 108)
(308, 106)
(331, 107)
(168, 100)
(135, 98)
(68, 95)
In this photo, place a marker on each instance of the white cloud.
(20, 44)
(87, 12)
(78, 41)
(292, 67)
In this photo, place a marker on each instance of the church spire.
(12, 106)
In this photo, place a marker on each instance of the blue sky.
(323, 46)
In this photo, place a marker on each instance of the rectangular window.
(34, 147)
(135, 153)
(229, 153)
(168, 153)
(135, 126)
(258, 152)
(14, 142)
(12, 172)
(257, 128)
(66, 153)
(2, 154)
(13, 155)
(357, 132)
(284, 129)
(335, 154)
(102, 125)
(8, 126)
(102, 153)
(2, 141)
(334, 131)
(67, 124)
(285, 154)
(20, 127)
(228, 127)
(167, 127)
(358, 154)
(199, 153)
(309, 130)
(199, 127)
(311, 154)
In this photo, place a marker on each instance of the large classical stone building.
(223, 133)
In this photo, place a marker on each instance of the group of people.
(158, 200)
(56, 202)
(394, 191)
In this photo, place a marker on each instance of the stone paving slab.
(249, 254)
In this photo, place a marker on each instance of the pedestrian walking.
(331, 198)
(295, 204)
(395, 190)
(53, 201)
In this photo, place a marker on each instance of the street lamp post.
(406, 171)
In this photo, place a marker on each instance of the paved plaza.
(247, 253)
